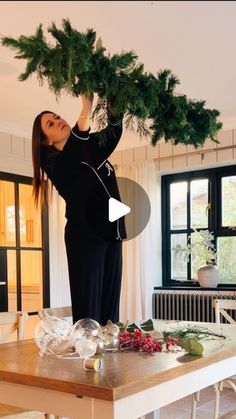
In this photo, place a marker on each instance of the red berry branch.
(139, 341)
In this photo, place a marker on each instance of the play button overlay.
(117, 209)
(134, 197)
(120, 210)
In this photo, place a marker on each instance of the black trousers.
(95, 271)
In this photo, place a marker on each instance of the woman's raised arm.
(85, 114)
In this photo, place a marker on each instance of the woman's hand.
(84, 117)
(87, 103)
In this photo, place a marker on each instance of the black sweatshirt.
(86, 180)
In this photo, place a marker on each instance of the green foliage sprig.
(77, 64)
(192, 331)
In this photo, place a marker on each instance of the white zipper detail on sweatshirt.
(101, 164)
(91, 167)
(117, 224)
(118, 231)
(107, 165)
(109, 168)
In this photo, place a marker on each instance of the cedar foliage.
(75, 63)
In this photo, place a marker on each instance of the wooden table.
(130, 384)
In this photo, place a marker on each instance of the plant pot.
(208, 276)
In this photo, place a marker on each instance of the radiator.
(188, 307)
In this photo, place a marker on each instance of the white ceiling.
(194, 39)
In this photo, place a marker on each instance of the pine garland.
(77, 64)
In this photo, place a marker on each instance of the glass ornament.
(111, 328)
(52, 335)
(91, 327)
(111, 342)
(110, 334)
(76, 333)
(100, 344)
(85, 347)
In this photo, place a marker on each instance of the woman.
(77, 165)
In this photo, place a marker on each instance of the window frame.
(20, 179)
(214, 217)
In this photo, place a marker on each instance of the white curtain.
(142, 255)
(59, 279)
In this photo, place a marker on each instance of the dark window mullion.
(18, 255)
(166, 252)
(180, 231)
(168, 235)
(215, 197)
(189, 264)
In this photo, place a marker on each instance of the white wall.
(15, 154)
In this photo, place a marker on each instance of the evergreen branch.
(75, 64)
(91, 38)
(125, 61)
(134, 124)
(60, 36)
(197, 332)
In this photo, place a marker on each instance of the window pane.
(11, 280)
(31, 280)
(7, 214)
(199, 201)
(197, 259)
(228, 185)
(178, 205)
(178, 263)
(30, 218)
(226, 250)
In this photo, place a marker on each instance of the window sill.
(197, 288)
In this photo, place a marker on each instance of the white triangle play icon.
(117, 209)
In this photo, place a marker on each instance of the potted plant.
(201, 247)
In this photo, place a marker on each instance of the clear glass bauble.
(111, 328)
(76, 333)
(111, 342)
(85, 347)
(52, 335)
(90, 327)
(100, 344)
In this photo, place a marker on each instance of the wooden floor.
(180, 409)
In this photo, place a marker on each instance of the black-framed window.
(24, 247)
(201, 200)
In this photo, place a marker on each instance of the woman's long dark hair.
(40, 179)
